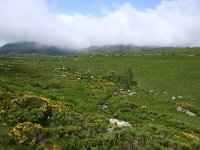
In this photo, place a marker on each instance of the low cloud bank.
(171, 23)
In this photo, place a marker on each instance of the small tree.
(127, 79)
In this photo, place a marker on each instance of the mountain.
(111, 48)
(36, 48)
(33, 48)
(121, 48)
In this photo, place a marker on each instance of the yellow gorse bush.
(45, 103)
(18, 108)
(27, 133)
(190, 137)
(184, 105)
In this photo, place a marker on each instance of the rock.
(173, 97)
(122, 91)
(119, 123)
(104, 106)
(180, 97)
(189, 113)
(165, 93)
(179, 109)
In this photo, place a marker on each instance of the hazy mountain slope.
(33, 48)
(122, 48)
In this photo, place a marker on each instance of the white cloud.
(172, 23)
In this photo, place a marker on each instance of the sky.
(79, 24)
(97, 7)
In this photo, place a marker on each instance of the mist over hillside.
(41, 49)
(33, 48)
(123, 48)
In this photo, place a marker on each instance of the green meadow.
(56, 102)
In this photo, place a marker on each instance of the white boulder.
(189, 113)
(119, 123)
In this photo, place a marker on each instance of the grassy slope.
(176, 75)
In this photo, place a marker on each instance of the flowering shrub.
(30, 108)
(190, 137)
(184, 105)
(28, 133)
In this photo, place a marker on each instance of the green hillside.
(50, 102)
(19, 48)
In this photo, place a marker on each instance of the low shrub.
(28, 133)
(184, 105)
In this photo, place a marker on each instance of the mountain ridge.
(17, 48)
(33, 48)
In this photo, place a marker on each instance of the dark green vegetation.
(32, 48)
(55, 102)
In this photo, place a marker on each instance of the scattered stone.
(173, 97)
(122, 91)
(179, 109)
(180, 97)
(189, 113)
(104, 106)
(78, 78)
(119, 123)
(63, 75)
(165, 93)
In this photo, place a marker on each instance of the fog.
(171, 23)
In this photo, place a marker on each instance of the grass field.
(76, 86)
